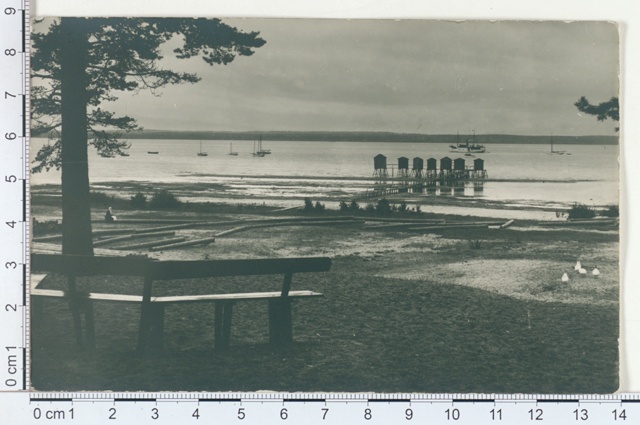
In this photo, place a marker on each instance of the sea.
(518, 174)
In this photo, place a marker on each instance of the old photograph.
(324, 205)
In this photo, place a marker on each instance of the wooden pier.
(451, 174)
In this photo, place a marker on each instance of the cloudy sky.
(400, 76)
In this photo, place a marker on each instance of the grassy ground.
(400, 312)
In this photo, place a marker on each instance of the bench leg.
(157, 326)
(75, 307)
(217, 326)
(280, 323)
(36, 310)
(226, 325)
(222, 325)
(146, 316)
(89, 324)
(83, 307)
(151, 331)
(77, 321)
(145, 327)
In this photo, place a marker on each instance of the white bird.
(578, 266)
(595, 272)
(565, 278)
(582, 271)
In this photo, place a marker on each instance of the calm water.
(518, 173)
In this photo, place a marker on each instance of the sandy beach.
(513, 272)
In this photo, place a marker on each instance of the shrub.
(44, 227)
(402, 207)
(164, 199)
(319, 206)
(308, 204)
(612, 211)
(100, 198)
(418, 209)
(354, 206)
(475, 244)
(344, 206)
(139, 201)
(370, 208)
(383, 207)
(581, 211)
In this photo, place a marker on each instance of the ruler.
(14, 192)
(313, 408)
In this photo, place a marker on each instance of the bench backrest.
(86, 265)
(80, 265)
(167, 270)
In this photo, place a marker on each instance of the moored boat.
(202, 153)
(231, 152)
(261, 150)
(470, 146)
(257, 153)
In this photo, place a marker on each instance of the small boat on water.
(202, 153)
(471, 146)
(258, 153)
(263, 151)
(556, 152)
(107, 155)
(153, 152)
(231, 152)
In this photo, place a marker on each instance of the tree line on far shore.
(364, 136)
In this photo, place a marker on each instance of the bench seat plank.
(48, 293)
(247, 296)
(36, 278)
(93, 296)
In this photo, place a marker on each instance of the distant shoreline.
(367, 137)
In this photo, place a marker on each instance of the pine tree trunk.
(76, 208)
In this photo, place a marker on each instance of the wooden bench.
(151, 327)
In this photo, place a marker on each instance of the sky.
(433, 77)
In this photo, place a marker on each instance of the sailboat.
(262, 151)
(202, 153)
(556, 152)
(258, 153)
(470, 147)
(231, 152)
